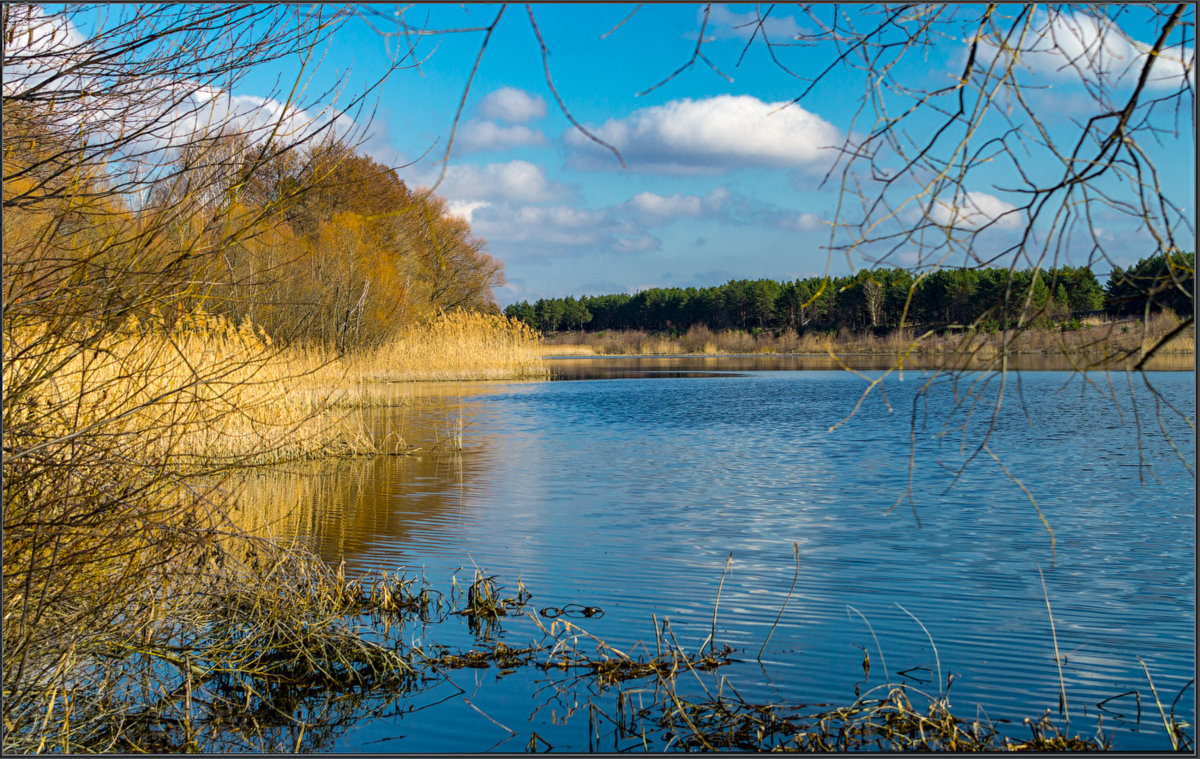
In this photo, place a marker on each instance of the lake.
(627, 487)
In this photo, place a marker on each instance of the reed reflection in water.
(620, 367)
(342, 508)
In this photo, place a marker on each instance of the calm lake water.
(629, 492)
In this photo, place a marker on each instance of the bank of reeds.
(107, 538)
(197, 395)
(1095, 338)
(456, 345)
(207, 391)
(115, 550)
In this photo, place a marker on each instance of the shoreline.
(1125, 340)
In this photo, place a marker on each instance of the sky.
(724, 177)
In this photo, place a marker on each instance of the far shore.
(1096, 341)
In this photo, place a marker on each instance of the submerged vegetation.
(287, 661)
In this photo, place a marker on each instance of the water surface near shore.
(629, 494)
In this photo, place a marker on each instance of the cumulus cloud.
(466, 209)
(649, 208)
(476, 136)
(520, 226)
(559, 217)
(515, 181)
(1094, 50)
(658, 206)
(186, 110)
(711, 135)
(725, 23)
(974, 210)
(512, 105)
(532, 232)
(803, 222)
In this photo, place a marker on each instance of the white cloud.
(649, 204)
(146, 118)
(185, 110)
(563, 218)
(974, 210)
(715, 134)
(724, 23)
(527, 229)
(550, 225)
(1094, 50)
(803, 222)
(512, 105)
(515, 181)
(531, 232)
(40, 47)
(488, 135)
(466, 209)
(651, 209)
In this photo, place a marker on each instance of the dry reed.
(200, 394)
(139, 617)
(457, 345)
(1097, 338)
(117, 554)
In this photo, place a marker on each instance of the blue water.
(630, 495)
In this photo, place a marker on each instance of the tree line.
(354, 257)
(879, 300)
(318, 243)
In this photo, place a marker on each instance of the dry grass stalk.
(892, 722)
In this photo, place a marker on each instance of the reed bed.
(124, 566)
(457, 345)
(1095, 339)
(208, 391)
(257, 656)
(198, 395)
(142, 613)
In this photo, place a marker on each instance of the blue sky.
(720, 182)
(568, 219)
